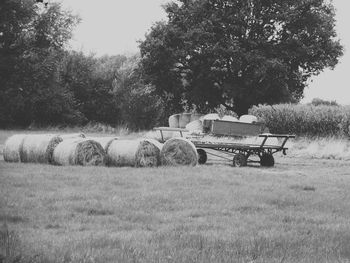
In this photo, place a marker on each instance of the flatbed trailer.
(239, 152)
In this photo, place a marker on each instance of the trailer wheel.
(239, 160)
(202, 156)
(267, 160)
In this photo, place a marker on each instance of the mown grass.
(295, 212)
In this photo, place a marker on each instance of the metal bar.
(170, 129)
(161, 134)
(263, 142)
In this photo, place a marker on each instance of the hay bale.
(195, 126)
(174, 121)
(185, 118)
(79, 151)
(196, 116)
(38, 148)
(13, 147)
(178, 151)
(248, 119)
(211, 116)
(229, 118)
(135, 153)
(104, 141)
(72, 135)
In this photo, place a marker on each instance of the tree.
(32, 41)
(239, 53)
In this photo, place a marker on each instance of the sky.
(114, 26)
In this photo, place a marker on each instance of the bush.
(309, 120)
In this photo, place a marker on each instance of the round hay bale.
(104, 141)
(38, 148)
(211, 116)
(196, 126)
(229, 118)
(248, 119)
(174, 121)
(72, 135)
(13, 147)
(196, 116)
(179, 151)
(185, 118)
(135, 153)
(79, 151)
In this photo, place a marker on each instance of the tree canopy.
(32, 40)
(239, 53)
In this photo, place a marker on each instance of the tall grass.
(307, 120)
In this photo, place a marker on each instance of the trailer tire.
(239, 160)
(267, 160)
(202, 156)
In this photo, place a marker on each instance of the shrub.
(309, 120)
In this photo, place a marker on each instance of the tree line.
(209, 54)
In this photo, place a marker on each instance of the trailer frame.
(239, 152)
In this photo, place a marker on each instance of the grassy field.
(297, 211)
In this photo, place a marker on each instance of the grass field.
(297, 211)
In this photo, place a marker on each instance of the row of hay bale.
(76, 149)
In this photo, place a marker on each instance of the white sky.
(114, 26)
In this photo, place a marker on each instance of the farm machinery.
(234, 144)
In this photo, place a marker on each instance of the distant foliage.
(318, 101)
(310, 120)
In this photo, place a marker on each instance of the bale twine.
(135, 153)
(178, 151)
(79, 151)
(13, 147)
(229, 118)
(38, 148)
(185, 118)
(195, 126)
(174, 121)
(196, 116)
(104, 141)
(248, 119)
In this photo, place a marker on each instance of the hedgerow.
(305, 119)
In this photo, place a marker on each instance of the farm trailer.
(239, 152)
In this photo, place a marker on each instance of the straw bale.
(104, 141)
(211, 116)
(179, 151)
(195, 126)
(229, 118)
(13, 147)
(248, 119)
(72, 135)
(174, 121)
(135, 153)
(185, 118)
(38, 148)
(79, 151)
(196, 116)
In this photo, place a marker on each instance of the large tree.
(239, 52)
(32, 40)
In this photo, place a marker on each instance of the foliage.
(239, 53)
(32, 39)
(310, 120)
(318, 101)
(140, 107)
